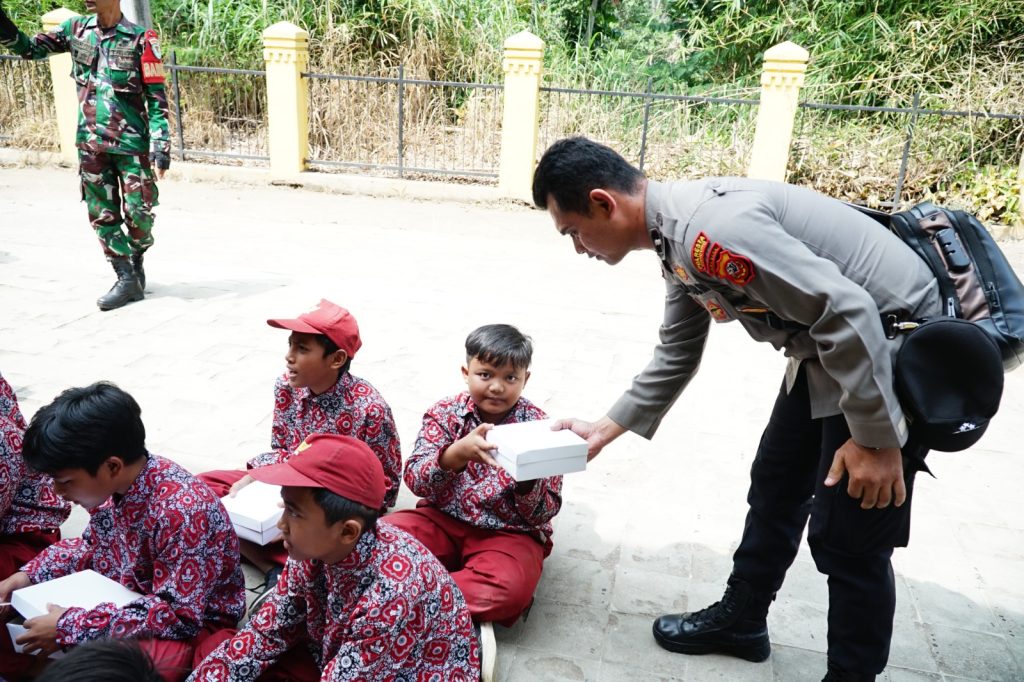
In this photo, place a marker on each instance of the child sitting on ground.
(491, 531)
(30, 511)
(358, 599)
(153, 527)
(317, 394)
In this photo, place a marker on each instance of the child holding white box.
(491, 531)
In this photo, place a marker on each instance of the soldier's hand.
(876, 476)
(161, 161)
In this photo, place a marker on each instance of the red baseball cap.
(329, 319)
(342, 464)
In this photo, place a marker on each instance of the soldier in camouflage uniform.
(122, 129)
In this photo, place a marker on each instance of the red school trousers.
(497, 570)
(16, 550)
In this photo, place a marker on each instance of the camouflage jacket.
(122, 103)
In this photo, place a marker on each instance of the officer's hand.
(161, 161)
(876, 476)
(473, 447)
(597, 434)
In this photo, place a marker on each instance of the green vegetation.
(955, 54)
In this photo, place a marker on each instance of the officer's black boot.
(837, 674)
(139, 272)
(125, 290)
(736, 626)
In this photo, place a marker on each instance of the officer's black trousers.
(852, 546)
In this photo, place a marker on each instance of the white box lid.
(85, 589)
(256, 506)
(528, 442)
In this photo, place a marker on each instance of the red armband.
(152, 63)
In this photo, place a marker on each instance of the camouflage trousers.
(116, 185)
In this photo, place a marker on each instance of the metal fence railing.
(898, 147)
(664, 134)
(217, 113)
(404, 126)
(27, 117)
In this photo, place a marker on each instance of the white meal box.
(255, 511)
(530, 450)
(85, 589)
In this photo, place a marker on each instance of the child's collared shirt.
(389, 610)
(480, 495)
(352, 407)
(168, 538)
(28, 502)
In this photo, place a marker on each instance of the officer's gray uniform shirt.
(734, 248)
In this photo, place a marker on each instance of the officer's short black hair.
(82, 427)
(330, 347)
(497, 344)
(103, 660)
(337, 508)
(572, 167)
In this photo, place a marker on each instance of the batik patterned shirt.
(388, 611)
(28, 502)
(122, 102)
(169, 539)
(480, 495)
(352, 407)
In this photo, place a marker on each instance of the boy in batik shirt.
(491, 531)
(358, 599)
(31, 513)
(317, 394)
(154, 528)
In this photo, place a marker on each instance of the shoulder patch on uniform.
(152, 61)
(712, 259)
(681, 273)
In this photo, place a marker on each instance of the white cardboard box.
(530, 450)
(255, 511)
(85, 589)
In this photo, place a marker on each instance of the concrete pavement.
(650, 526)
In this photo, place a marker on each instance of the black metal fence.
(217, 113)
(27, 117)
(404, 126)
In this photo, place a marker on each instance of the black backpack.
(975, 279)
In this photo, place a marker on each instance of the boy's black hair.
(337, 508)
(103, 660)
(84, 426)
(497, 344)
(331, 347)
(572, 167)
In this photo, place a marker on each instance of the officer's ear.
(603, 202)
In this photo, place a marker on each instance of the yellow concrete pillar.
(781, 80)
(65, 93)
(523, 64)
(286, 54)
(1020, 191)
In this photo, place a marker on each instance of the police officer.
(122, 129)
(815, 278)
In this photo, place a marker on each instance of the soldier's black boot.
(837, 674)
(139, 272)
(736, 626)
(125, 290)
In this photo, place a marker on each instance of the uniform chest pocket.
(83, 58)
(123, 70)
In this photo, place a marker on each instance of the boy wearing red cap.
(358, 599)
(30, 511)
(317, 394)
(491, 531)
